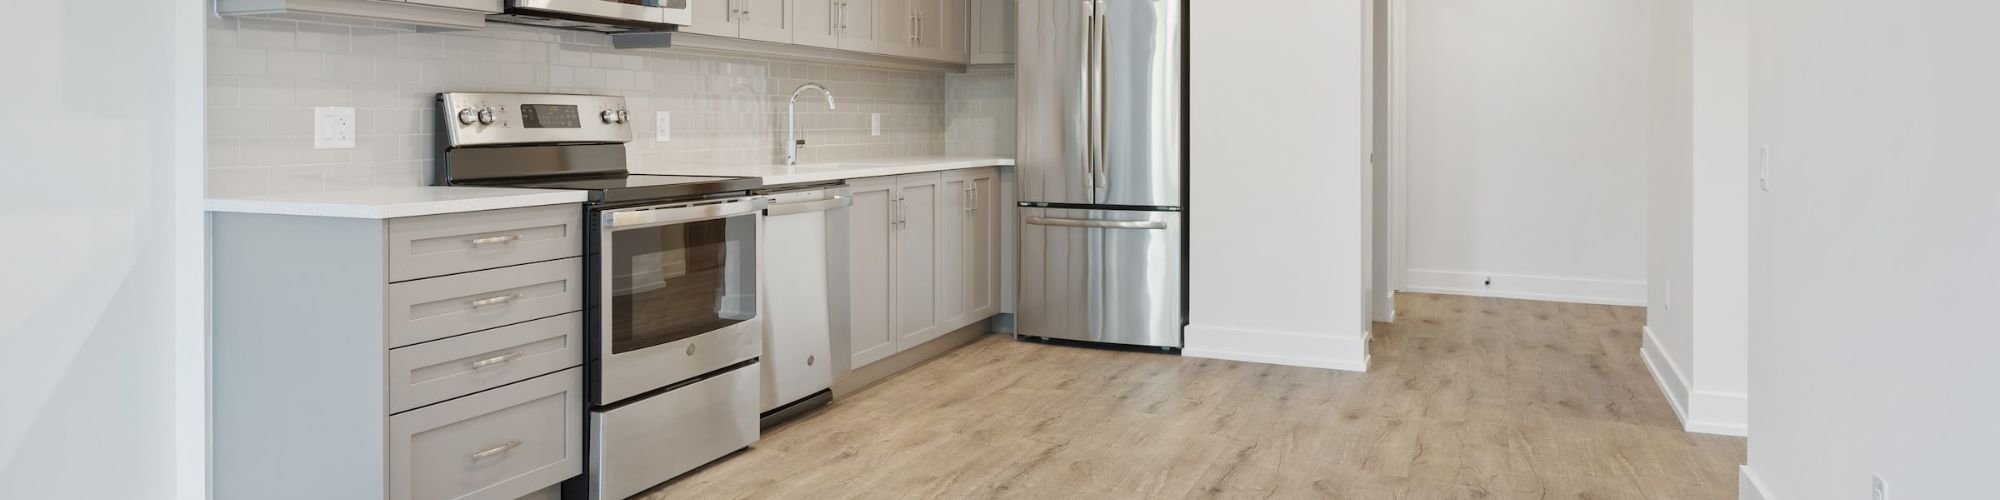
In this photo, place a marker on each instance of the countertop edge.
(336, 209)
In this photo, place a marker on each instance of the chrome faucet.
(792, 142)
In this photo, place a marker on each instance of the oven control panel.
(486, 119)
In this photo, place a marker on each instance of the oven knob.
(486, 116)
(467, 116)
(622, 117)
(609, 116)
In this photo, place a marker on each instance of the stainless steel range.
(671, 295)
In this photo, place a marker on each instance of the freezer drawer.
(1110, 276)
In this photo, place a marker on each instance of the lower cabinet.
(924, 258)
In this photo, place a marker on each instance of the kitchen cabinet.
(765, 20)
(992, 31)
(895, 28)
(446, 14)
(816, 23)
(916, 258)
(968, 247)
(946, 34)
(871, 227)
(422, 357)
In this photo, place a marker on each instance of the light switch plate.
(874, 124)
(333, 127)
(663, 126)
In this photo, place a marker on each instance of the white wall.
(1874, 254)
(1698, 204)
(1527, 148)
(1279, 202)
(102, 261)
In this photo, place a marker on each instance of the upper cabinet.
(992, 35)
(935, 30)
(766, 20)
(449, 14)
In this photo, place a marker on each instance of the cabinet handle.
(495, 300)
(965, 196)
(833, 18)
(913, 28)
(490, 240)
(975, 197)
(504, 358)
(490, 452)
(902, 212)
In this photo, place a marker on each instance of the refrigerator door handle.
(1095, 223)
(1101, 77)
(1090, 53)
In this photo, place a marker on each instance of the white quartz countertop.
(394, 202)
(776, 175)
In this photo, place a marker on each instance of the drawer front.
(495, 445)
(437, 245)
(440, 307)
(648, 441)
(436, 371)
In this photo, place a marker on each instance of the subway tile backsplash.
(266, 75)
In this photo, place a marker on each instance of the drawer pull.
(490, 452)
(490, 240)
(496, 300)
(504, 358)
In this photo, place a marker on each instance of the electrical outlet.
(1881, 488)
(333, 127)
(875, 124)
(663, 127)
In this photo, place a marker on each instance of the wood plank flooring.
(1468, 398)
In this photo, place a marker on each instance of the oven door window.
(677, 281)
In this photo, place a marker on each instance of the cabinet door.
(983, 245)
(954, 249)
(915, 259)
(871, 226)
(895, 28)
(953, 40)
(992, 27)
(814, 23)
(857, 26)
(929, 26)
(766, 20)
(714, 17)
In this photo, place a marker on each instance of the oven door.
(677, 293)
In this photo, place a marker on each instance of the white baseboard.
(1310, 350)
(1706, 412)
(1576, 290)
(1748, 487)
(1673, 382)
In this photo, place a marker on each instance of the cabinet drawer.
(436, 371)
(498, 445)
(441, 307)
(437, 245)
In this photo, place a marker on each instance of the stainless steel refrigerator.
(1100, 161)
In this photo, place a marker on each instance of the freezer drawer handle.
(1105, 224)
(801, 207)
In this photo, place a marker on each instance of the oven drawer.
(497, 445)
(648, 441)
(437, 245)
(440, 307)
(436, 371)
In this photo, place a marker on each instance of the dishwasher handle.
(800, 207)
(1095, 223)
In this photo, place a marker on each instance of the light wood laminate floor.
(1467, 398)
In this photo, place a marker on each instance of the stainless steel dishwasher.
(805, 309)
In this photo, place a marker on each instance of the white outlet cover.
(663, 126)
(874, 124)
(333, 127)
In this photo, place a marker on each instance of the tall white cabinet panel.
(992, 31)
(766, 20)
(871, 222)
(916, 259)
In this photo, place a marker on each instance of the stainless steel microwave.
(609, 16)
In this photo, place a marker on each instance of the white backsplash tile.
(266, 74)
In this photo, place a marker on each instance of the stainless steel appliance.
(805, 249)
(671, 290)
(608, 16)
(1101, 165)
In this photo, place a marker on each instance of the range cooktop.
(638, 187)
